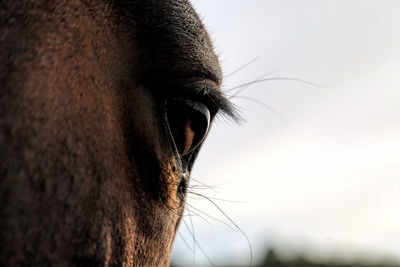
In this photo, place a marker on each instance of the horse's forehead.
(171, 40)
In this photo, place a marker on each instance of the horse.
(104, 107)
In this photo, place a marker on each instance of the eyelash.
(215, 101)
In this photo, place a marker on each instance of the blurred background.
(311, 177)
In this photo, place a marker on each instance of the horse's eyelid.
(211, 96)
(223, 105)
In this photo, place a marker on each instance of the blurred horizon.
(313, 170)
(273, 258)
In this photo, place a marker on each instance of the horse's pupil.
(188, 122)
(190, 133)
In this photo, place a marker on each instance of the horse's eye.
(188, 121)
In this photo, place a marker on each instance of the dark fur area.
(85, 163)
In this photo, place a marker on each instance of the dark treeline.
(271, 260)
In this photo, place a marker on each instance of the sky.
(314, 167)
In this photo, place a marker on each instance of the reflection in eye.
(188, 121)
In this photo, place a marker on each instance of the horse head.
(104, 107)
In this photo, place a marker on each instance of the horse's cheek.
(86, 170)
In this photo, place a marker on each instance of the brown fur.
(86, 167)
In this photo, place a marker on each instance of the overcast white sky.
(321, 174)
